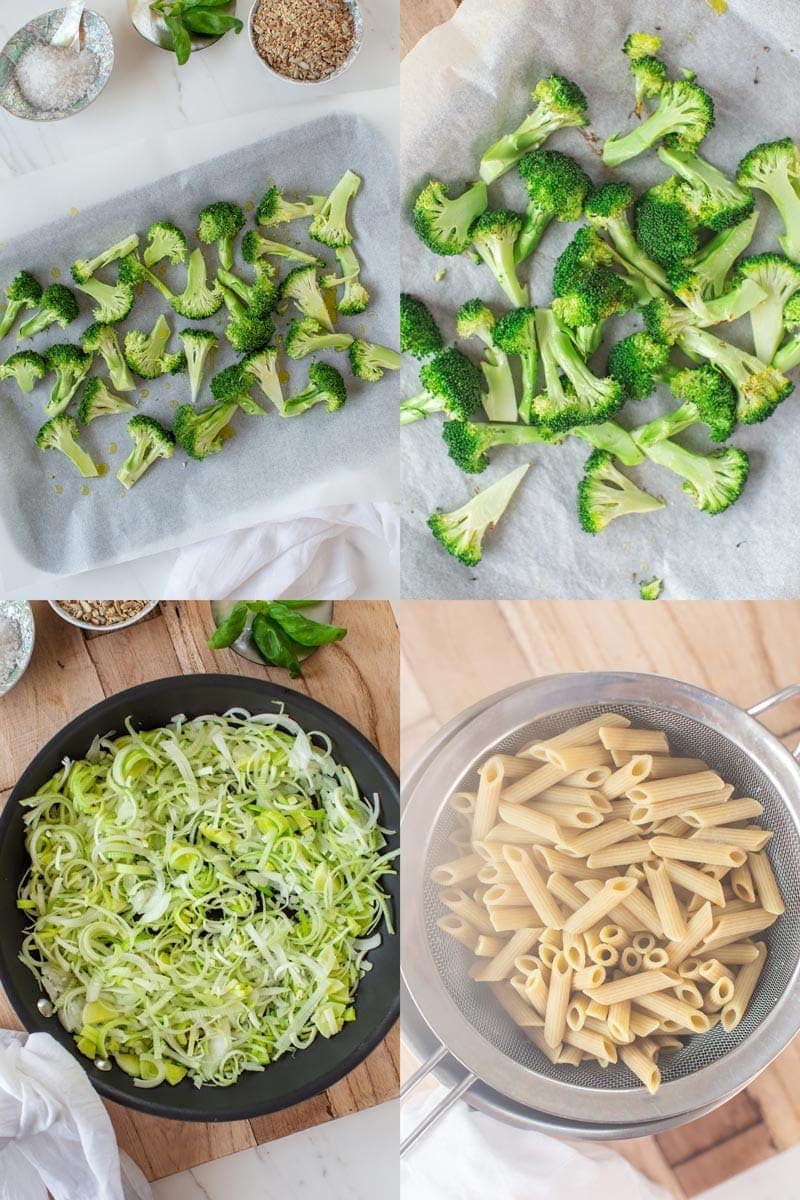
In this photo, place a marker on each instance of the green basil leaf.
(231, 628)
(188, 5)
(274, 646)
(181, 41)
(302, 630)
(300, 603)
(210, 22)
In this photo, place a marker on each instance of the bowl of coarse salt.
(306, 41)
(42, 81)
(16, 641)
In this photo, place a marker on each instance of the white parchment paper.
(463, 86)
(57, 522)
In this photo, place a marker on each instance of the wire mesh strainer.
(466, 1019)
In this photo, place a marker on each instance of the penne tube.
(643, 1024)
(643, 942)
(604, 956)
(698, 927)
(636, 769)
(621, 854)
(569, 794)
(672, 827)
(692, 850)
(512, 765)
(630, 961)
(570, 816)
(577, 758)
(464, 906)
(712, 970)
(619, 1021)
(750, 838)
(642, 1066)
(463, 803)
(612, 892)
(664, 767)
(533, 885)
(576, 1012)
(565, 864)
(596, 1011)
(744, 985)
(460, 929)
(507, 920)
(541, 824)
(578, 735)
(510, 834)
(495, 872)
(665, 900)
(490, 786)
(608, 834)
(588, 777)
(555, 1017)
(655, 791)
(765, 884)
(457, 871)
(521, 1013)
(565, 891)
(597, 1045)
(692, 880)
(569, 1056)
(619, 915)
(612, 935)
(575, 950)
(501, 966)
(589, 977)
(487, 946)
(526, 964)
(723, 814)
(655, 959)
(634, 741)
(532, 784)
(731, 927)
(732, 955)
(536, 991)
(632, 987)
(505, 895)
(718, 995)
(685, 1016)
(742, 883)
(671, 810)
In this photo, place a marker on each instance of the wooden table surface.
(455, 654)
(72, 670)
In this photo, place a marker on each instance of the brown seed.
(304, 39)
(102, 613)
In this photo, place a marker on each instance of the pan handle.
(787, 693)
(444, 1106)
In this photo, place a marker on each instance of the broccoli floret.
(275, 210)
(26, 368)
(301, 285)
(559, 103)
(443, 224)
(146, 353)
(23, 292)
(649, 73)
(329, 225)
(515, 333)
(760, 388)
(258, 299)
(651, 589)
(369, 361)
(639, 45)
(113, 301)
(150, 441)
(57, 306)
(708, 398)
(307, 337)
(714, 200)
(71, 366)
(97, 400)
(709, 268)
(778, 278)
(666, 322)
(451, 383)
(221, 222)
(61, 433)
(102, 340)
(788, 356)
(84, 268)
(742, 297)
(607, 209)
(604, 494)
(325, 386)
(476, 319)
(165, 240)
(462, 532)
(355, 297)
(494, 236)
(197, 301)
(611, 437)
(263, 367)
(249, 333)
(683, 117)
(714, 481)
(233, 385)
(419, 333)
(468, 444)
(255, 247)
(588, 302)
(638, 362)
(585, 399)
(665, 228)
(201, 432)
(557, 187)
(200, 348)
(774, 168)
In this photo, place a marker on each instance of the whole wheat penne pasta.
(619, 915)
(507, 920)
(502, 964)
(612, 935)
(743, 987)
(536, 991)
(542, 825)
(656, 791)
(667, 1006)
(555, 1017)
(578, 735)
(667, 767)
(565, 864)
(588, 777)
(698, 926)
(464, 906)
(643, 1024)
(518, 1009)
(552, 937)
(692, 880)
(672, 827)
(620, 854)
(606, 956)
(457, 871)
(665, 900)
(634, 741)
(459, 929)
(490, 852)
(667, 810)
(570, 816)
(575, 950)
(742, 883)
(655, 960)
(576, 1012)
(532, 784)
(735, 954)
(538, 1039)
(692, 850)
(712, 970)
(723, 814)
(488, 946)
(732, 927)
(718, 995)
(463, 803)
(533, 886)
(577, 758)
(690, 968)
(525, 964)
(765, 884)
(569, 1056)
(619, 1021)
(547, 952)
(596, 1011)
(496, 872)
(643, 942)
(630, 961)
(490, 785)
(642, 1066)
(596, 1044)
(612, 892)
(608, 834)
(634, 771)
(565, 891)
(632, 987)
(751, 838)
(589, 977)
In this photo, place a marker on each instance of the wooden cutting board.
(72, 670)
(455, 654)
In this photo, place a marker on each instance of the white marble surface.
(354, 1158)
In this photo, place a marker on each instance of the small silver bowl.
(153, 29)
(96, 36)
(90, 625)
(21, 613)
(358, 24)
(244, 645)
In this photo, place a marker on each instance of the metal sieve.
(465, 1020)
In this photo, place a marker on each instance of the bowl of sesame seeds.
(306, 41)
(102, 614)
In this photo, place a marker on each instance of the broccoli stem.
(500, 401)
(666, 426)
(627, 247)
(10, 314)
(766, 320)
(786, 200)
(533, 229)
(502, 156)
(618, 150)
(788, 357)
(416, 408)
(718, 256)
(613, 438)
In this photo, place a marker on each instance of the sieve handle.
(436, 1114)
(787, 693)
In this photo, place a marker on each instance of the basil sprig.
(280, 631)
(185, 17)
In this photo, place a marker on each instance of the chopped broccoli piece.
(113, 301)
(585, 399)
(557, 187)
(475, 319)
(638, 362)
(611, 437)
(146, 353)
(443, 224)
(255, 247)
(221, 222)
(462, 531)
(233, 385)
(419, 333)
(201, 432)
(325, 386)
(197, 301)
(150, 441)
(604, 494)
(355, 297)
(774, 168)
(713, 199)
(640, 45)
(588, 291)
(710, 266)
(667, 322)
(788, 356)
(714, 481)
(369, 361)
(61, 433)
(26, 368)
(97, 400)
(760, 388)
(651, 589)
(57, 306)
(451, 383)
(778, 278)
(301, 285)
(743, 296)
(307, 337)
(249, 333)
(329, 225)
(275, 210)
(165, 240)
(665, 228)
(709, 398)
(649, 73)
(468, 444)
(200, 348)
(515, 333)
(683, 117)
(83, 269)
(263, 367)
(606, 210)
(258, 299)
(494, 236)
(102, 340)
(559, 103)
(23, 292)
(71, 366)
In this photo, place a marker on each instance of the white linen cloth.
(322, 554)
(55, 1134)
(470, 1154)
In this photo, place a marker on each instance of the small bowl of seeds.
(306, 41)
(102, 614)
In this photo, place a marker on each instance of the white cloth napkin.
(55, 1134)
(324, 553)
(469, 1154)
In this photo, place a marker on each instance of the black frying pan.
(292, 1078)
